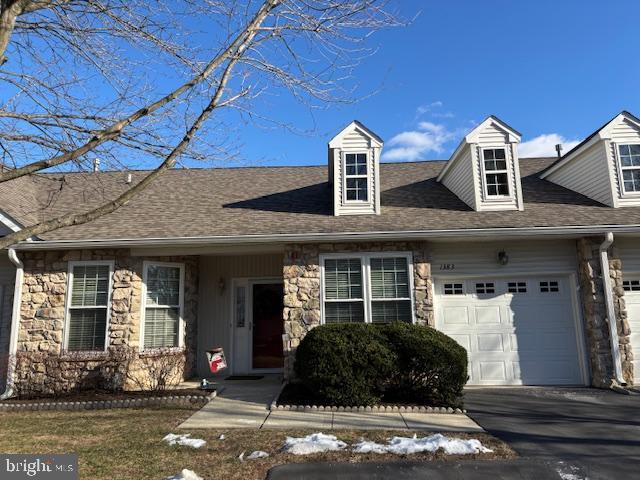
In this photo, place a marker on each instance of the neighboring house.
(503, 254)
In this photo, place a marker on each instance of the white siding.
(628, 250)
(622, 133)
(492, 135)
(214, 310)
(459, 179)
(525, 256)
(587, 174)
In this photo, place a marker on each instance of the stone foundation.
(43, 364)
(301, 273)
(595, 314)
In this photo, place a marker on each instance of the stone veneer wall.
(301, 273)
(595, 314)
(42, 319)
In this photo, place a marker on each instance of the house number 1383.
(447, 266)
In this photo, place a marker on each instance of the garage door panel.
(631, 283)
(525, 335)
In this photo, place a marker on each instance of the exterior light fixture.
(503, 258)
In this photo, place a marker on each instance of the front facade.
(536, 276)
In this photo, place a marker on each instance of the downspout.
(611, 311)
(15, 321)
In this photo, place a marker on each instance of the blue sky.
(553, 70)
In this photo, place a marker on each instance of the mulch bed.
(106, 395)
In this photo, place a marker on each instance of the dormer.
(354, 171)
(484, 171)
(605, 166)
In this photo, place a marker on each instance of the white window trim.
(143, 304)
(507, 157)
(367, 176)
(67, 308)
(365, 261)
(620, 169)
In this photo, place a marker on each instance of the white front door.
(258, 326)
(631, 285)
(517, 331)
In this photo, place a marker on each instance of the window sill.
(83, 355)
(156, 352)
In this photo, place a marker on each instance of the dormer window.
(496, 173)
(630, 167)
(356, 176)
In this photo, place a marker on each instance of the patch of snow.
(569, 472)
(257, 454)
(408, 446)
(185, 475)
(241, 457)
(314, 443)
(221, 437)
(173, 439)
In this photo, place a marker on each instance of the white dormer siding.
(354, 171)
(484, 171)
(596, 167)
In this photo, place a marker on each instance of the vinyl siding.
(628, 250)
(622, 133)
(214, 310)
(480, 258)
(459, 179)
(492, 135)
(587, 174)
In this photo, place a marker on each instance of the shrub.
(344, 364)
(431, 367)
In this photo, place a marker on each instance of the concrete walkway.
(245, 404)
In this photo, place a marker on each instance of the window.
(453, 289)
(370, 288)
(484, 288)
(517, 287)
(390, 300)
(496, 173)
(163, 305)
(630, 167)
(240, 306)
(88, 306)
(631, 285)
(356, 179)
(551, 286)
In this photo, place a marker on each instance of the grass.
(124, 444)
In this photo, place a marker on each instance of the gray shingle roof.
(290, 200)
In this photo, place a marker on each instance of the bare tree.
(79, 78)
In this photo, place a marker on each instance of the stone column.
(595, 313)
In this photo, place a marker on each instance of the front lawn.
(127, 443)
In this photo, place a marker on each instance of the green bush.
(431, 367)
(344, 364)
(359, 364)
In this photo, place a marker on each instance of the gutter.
(15, 321)
(474, 233)
(611, 312)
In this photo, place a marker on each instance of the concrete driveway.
(596, 433)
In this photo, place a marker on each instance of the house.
(533, 265)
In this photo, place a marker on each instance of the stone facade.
(301, 273)
(45, 366)
(595, 314)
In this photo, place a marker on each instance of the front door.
(267, 326)
(258, 326)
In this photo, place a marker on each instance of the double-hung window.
(162, 327)
(495, 172)
(88, 306)
(370, 288)
(356, 177)
(630, 167)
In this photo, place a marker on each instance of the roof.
(290, 200)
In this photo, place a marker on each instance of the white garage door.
(631, 286)
(517, 331)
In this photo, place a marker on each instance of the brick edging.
(371, 409)
(108, 404)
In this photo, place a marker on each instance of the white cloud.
(545, 145)
(422, 109)
(414, 144)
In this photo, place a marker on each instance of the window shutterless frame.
(365, 176)
(365, 260)
(143, 303)
(506, 171)
(621, 169)
(68, 307)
